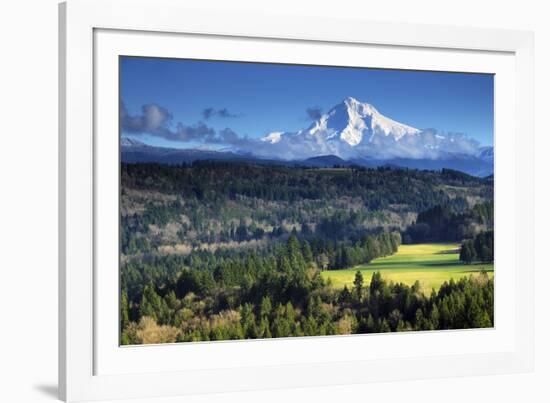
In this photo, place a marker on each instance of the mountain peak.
(354, 130)
(131, 142)
(353, 103)
(350, 101)
(354, 122)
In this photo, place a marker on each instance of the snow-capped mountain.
(354, 129)
(351, 132)
(131, 142)
(354, 122)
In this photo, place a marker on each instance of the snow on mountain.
(353, 129)
(352, 121)
(350, 132)
(130, 142)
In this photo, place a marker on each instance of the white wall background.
(28, 200)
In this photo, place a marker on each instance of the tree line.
(216, 203)
(283, 295)
(479, 249)
(201, 270)
(378, 188)
(447, 223)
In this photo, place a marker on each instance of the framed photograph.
(261, 201)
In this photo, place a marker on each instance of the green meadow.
(431, 264)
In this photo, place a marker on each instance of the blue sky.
(254, 99)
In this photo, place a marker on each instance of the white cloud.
(156, 121)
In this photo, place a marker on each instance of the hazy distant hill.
(134, 152)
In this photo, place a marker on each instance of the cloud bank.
(157, 121)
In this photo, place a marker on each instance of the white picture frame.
(94, 31)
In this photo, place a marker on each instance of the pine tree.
(124, 308)
(280, 325)
(434, 317)
(248, 322)
(467, 252)
(265, 308)
(384, 327)
(376, 282)
(263, 329)
(345, 295)
(293, 246)
(151, 303)
(310, 326)
(394, 319)
(373, 248)
(307, 253)
(370, 324)
(358, 285)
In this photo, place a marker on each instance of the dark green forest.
(220, 250)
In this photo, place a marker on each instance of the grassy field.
(430, 264)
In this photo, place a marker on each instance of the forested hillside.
(229, 250)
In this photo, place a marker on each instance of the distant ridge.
(148, 154)
(326, 161)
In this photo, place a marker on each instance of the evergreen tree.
(376, 282)
(345, 295)
(124, 308)
(293, 245)
(373, 248)
(248, 321)
(371, 327)
(419, 320)
(384, 327)
(264, 331)
(265, 308)
(281, 327)
(310, 326)
(358, 285)
(306, 252)
(434, 317)
(151, 304)
(467, 252)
